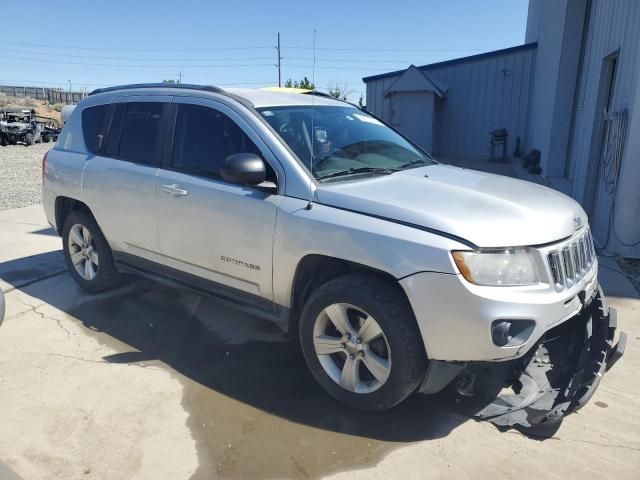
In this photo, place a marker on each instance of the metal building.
(572, 91)
(466, 98)
(586, 110)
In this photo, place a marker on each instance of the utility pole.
(179, 77)
(279, 64)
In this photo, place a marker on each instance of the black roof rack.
(188, 86)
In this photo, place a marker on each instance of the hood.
(485, 209)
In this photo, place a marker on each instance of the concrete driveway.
(150, 382)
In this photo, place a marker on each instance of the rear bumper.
(557, 376)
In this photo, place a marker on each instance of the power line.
(48, 45)
(14, 82)
(77, 82)
(336, 67)
(67, 62)
(391, 49)
(221, 66)
(48, 55)
(112, 76)
(358, 60)
(229, 59)
(255, 47)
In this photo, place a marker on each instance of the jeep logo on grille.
(577, 222)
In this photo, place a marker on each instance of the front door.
(412, 114)
(208, 227)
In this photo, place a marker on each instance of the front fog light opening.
(511, 333)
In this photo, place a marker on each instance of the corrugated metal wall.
(614, 25)
(480, 98)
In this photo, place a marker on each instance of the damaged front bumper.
(557, 376)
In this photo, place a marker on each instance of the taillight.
(44, 163)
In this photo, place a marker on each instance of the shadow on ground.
(255, 410)
(23, 271)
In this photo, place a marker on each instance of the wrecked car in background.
(25, 126)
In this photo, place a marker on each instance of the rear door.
(208, 227)
(119, 180)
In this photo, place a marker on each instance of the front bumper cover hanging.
(556, 377)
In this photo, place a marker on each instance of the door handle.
(173, 190)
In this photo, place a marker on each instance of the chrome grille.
(571, 262)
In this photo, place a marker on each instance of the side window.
(140, 132)
(112, 145)
(204, 138)
(93, 126)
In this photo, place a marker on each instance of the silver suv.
(395, 272)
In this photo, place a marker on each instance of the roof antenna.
(313, 112)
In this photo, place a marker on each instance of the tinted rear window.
(140, 132)
(93, 123)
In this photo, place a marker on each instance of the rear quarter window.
(93, 126)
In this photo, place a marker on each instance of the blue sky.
(96, 44)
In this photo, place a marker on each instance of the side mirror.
(244, 168)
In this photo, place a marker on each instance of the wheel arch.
(64, 206)
(314, 270)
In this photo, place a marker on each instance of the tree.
(341, 92)
(168, 81)
(304, 83)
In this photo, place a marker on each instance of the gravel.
(21, 175)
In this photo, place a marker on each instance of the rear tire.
(87, 253)
(391, 343)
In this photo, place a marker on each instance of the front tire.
(361, 342)
(29, 139)
(87, 253)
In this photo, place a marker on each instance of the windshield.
(342, 141)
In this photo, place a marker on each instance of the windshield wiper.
(352, 171)
(411, 164)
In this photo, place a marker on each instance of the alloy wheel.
(82, 252)
(352, 348)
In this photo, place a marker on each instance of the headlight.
(498, 267)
